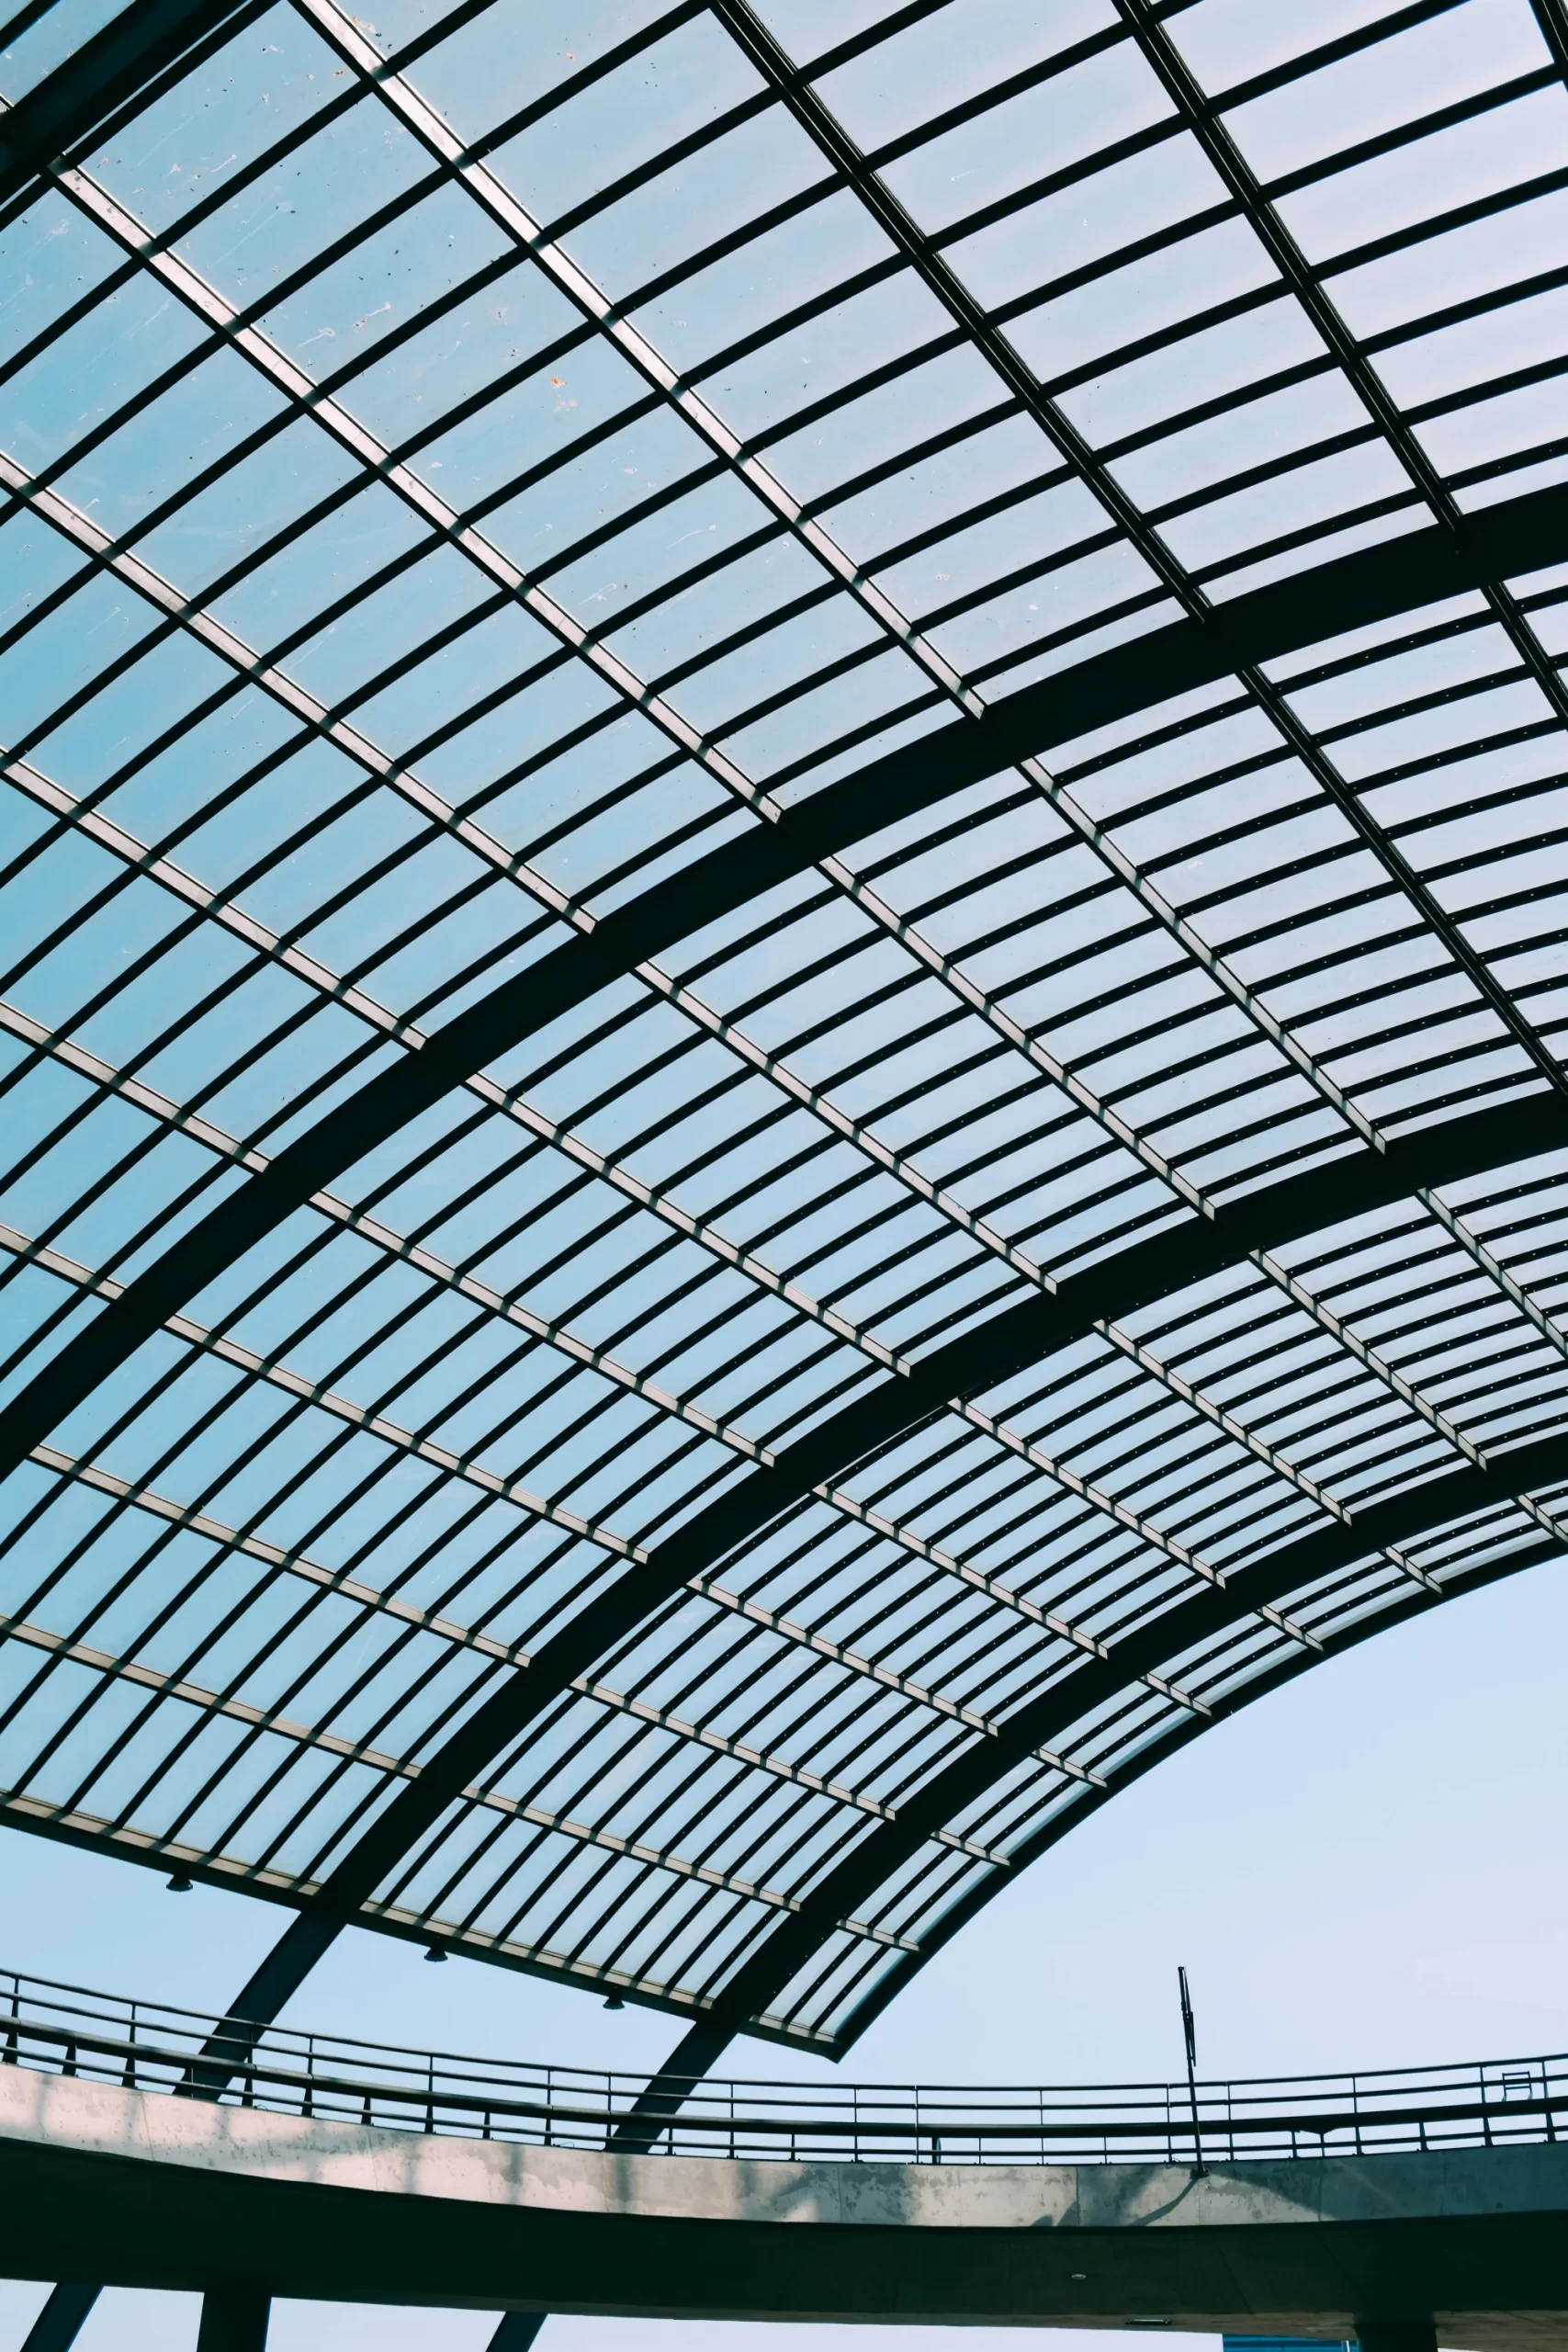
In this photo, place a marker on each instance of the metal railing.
(152, 2046)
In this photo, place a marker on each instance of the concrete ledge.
(141, 2189)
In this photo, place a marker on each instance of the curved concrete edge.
(101, 2120)
(145, 2189)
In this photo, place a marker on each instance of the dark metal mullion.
(992, 1651)
(453, 20)
(1095, 1556)
(1408, 134)
(1008, 869)
(1543, 371)
(595, 1406)
(213, 339)
(1464, 1388)
(787, 1833)
(1223, 404)
(917, 453)
(1018, 657)
(319, 1797)
(295, 406)
(532, 1836)
(1150, 345)
(1327, 528)
(669, 1822)
(1002, 1285)
(63, 1487)
(592, 1905)
(1121, 1180)
(208, 1175)
(974, 323)
(210, 1172)
(1273, 470)
(866, 730)
(537, 1893)
(914, 1729)
(1457, 1290)
(652, 1890)
(1517, 461)
(965, 519)
(908, 1300)
(172, 1604)
(1475, 306)
(822, 1349)
(1023, 576)
(1416, 706)
(688, 1441)
(734, 1312)
(253, 1663)
(114, 281)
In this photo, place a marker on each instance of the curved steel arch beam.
(1502, 541)
(1159, 1751)
(967, 1367)
(849, 1886)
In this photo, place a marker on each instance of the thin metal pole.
(1189, 2036)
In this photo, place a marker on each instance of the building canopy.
(785, 933)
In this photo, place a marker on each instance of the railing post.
(309, 2107)
(70, 2065)
(1547, 2115)
(128, 2079)
(9, 2056)
(430, 2093)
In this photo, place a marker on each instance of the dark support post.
(1190, 2035)
(693, 2056)
(1396, 2335)
(59, 2324)
(234, 2319)
(517, 2331)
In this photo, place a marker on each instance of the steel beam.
(107, 73)
(693, 2056)
(849, 1886)
(60, 2322)
(234, 2319)
(1396, 2335)
(1501, 541)
(1178, 1733)
(967, 1367)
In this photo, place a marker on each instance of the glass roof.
(784, 936)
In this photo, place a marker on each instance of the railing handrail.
(158, 2045)
(149, 2056)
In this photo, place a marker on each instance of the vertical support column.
(517, 2331)
(59, 2324)
(234, 2319)
(637, 2134)
(1396, 2335)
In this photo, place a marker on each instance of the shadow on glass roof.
(785, 936)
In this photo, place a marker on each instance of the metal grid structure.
(150, 2046)
(697, 1239)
